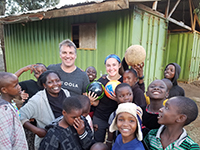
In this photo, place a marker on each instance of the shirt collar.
(178, 141)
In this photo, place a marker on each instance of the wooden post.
(167, 9)
(154, 7)
(173, 9)
(2, 48)
(191, 15)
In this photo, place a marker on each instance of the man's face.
(68, 56)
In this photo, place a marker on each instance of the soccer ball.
(110, 88)
(96, 87)
(135, 54)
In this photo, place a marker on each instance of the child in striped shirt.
(177, 112)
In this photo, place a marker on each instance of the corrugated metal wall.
(34, 42)
(183, 49)
(195, 60)
(150, 32)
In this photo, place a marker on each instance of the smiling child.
(128, 122)
(178, 112)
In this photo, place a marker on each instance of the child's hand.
(93, 98)
(79, 125)
(30, 67)
(95, 126)
(41, 132)
(139, 69)
(24, 95)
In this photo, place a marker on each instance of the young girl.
(106, 106)
(172, 71)
(128, 122)
(130, 77)
(157, 92)
(124, 94)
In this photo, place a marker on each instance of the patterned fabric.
(60, 138)
(153, 141)
(11, 131)
(16, 109)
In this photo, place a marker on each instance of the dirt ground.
(192, 91)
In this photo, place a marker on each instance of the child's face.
(157, 90)
(86, 110)
(13, 88)
(127, 125)
(70, 117)
(53, 84)
(129, 78)
(169, 113)
(124, 95)
(169, 72)
(91, 72)
(112, 67)
(39, 69)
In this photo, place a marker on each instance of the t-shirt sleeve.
(85, 82)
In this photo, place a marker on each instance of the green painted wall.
(38, 41)
(183, 49)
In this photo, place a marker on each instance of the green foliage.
(197, 11)
(17, 6)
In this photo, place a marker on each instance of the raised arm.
(24, 69)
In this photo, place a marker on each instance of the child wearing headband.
(128, 122)
(105, 106)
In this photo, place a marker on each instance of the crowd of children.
(131, 120)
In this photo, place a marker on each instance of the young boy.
(85, 102)
(178, 112)
(91, 72)
(130, 77)
(99, 146)
(12, 134)
(124, 94)
(128, 121)
(157, 92)
(68, 132)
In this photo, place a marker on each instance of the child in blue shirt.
(128, 122)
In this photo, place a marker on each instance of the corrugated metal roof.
(64, 5)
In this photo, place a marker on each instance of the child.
(169, 86)
(30, 87)
(172, 71)
(12, 134)
(68, 132)
(128, 121)
(130, 77)
(99, 146)
(85, 102)
(91, 72)
(124, 94)
(178, 112)
(157, 92)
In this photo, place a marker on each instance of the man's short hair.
(187, 107)
(71, 103)
(68, 43)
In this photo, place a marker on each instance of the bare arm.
(24, 69)
(39, 131)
